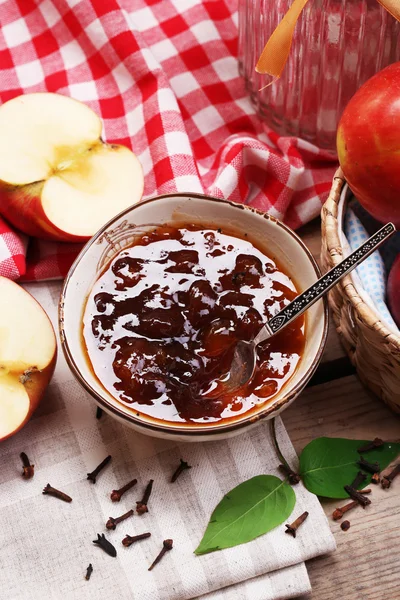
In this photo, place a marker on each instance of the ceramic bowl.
(278, 240)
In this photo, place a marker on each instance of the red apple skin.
(36, 386)
(368, 144)
(393, 290)
(22, 207)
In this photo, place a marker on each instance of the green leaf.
(328, 464)
(249, 510)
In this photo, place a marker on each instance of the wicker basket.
(371, 346)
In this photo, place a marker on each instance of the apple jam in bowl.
(152, 309)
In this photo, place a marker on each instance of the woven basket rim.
(370, 316)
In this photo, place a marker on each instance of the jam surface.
(161, 323)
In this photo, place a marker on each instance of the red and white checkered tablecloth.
(163, 75)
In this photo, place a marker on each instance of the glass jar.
(337, 45)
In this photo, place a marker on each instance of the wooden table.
(366, 565)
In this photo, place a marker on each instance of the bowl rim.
(212, 429)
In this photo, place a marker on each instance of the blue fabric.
(373, 272)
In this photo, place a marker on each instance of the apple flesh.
(58, 179)
(393, 290)
(368, 144)
(28, 351)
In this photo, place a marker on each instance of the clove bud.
(345, 526)
(167, 545)
(386, 480)
(92, 476)
(141, 506)
(292, 529)
(112, 523)
(28, 469)
(89, 572)
(131, 539)
(368, 466)
(376, 443)
(293, 477)
(357, 496)
(182, 467)
(116, 495)
(56, 493)
(359, 479)
(105, 545)
(339, 512)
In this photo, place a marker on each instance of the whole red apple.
(368, 144)
(393, 290)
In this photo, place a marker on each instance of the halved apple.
(28, 352)
(58, 179)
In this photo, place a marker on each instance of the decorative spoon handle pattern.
(320, 287)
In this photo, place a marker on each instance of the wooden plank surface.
(367, 561)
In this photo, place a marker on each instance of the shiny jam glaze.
(150, 331)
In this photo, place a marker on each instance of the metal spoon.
(245, 354)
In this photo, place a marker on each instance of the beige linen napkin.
(46, 545)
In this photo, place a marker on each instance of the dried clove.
(105, 545)
(167, 545)
(182, 467)
(376, 443)
(99, 412)
(131, 539)
(56, 493)
(89, 572)
(345, 526)
(386, 480)
(28, 469)
(368, 466)
(359, 479)
(293, 527)
(339, 512)
(112, 523)
(356, 495)
(375, 478)
(92, 476)
(141, 507)
(116, 495)
(293, 477)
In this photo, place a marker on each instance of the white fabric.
(46, 544)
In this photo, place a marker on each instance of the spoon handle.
(324, 284)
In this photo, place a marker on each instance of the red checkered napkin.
(164, 78)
